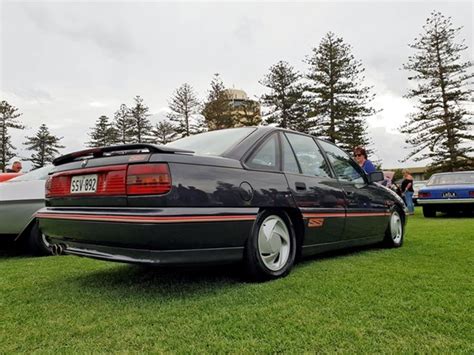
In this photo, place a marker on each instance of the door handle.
(300, 186)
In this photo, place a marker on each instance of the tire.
(37, 243)
(271, 248)
(429, 211)
(395, 232)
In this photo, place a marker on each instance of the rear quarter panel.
(196, 185)
(18, 203)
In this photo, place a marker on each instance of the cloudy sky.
(66, 63)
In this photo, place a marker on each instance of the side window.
(342, 164)
(289, 161)
(310, 158)
(266, 156)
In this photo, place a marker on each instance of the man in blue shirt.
(360, 155)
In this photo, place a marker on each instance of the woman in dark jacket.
(407, 191)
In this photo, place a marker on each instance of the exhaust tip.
(57, 249)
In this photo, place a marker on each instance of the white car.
(20, 198)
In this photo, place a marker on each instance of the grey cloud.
(78, 24)
(32, 94)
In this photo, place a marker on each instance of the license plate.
(84, 184)
(449, 194)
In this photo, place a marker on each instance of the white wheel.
(396, 227)
(395, 230)
(274, 243)
(270, 250)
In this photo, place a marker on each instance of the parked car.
(417, 185)
(262, 195)
(8, 176)
(20, 198)
(449, 193)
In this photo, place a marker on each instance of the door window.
(266, 156)
(290, 164)
(343, 165)
(309, 157)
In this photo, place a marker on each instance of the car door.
(317, 194)
(367, 214)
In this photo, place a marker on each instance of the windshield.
(213, 142)
(452, 179)
(37, 174)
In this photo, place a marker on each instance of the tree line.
(329, 100)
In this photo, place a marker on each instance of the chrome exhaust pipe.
(57, 249)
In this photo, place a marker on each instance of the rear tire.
(37, 243)
(395, 232)
(429, 211)
(271, 248)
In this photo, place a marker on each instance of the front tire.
(429, 211)
(271, 248)
(37, 243)
(395, 231)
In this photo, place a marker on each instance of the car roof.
(240, 149)
(455, 172)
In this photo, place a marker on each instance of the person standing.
(407, 191)
(360, 155)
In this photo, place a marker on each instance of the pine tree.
(217, 110)
(141, 127)
(103, 133)
(123, 125)
(45, 145)
(284, 102)
(336, 96)
(8, 119)
(164, 132)
(184, 108)
(441, 127)
(246, 113)
(353, 133)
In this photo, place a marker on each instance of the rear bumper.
(447, 201)
(144, 256)
(156, 236)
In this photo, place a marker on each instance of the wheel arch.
(26, 231)
(401, 210)
(296, 219)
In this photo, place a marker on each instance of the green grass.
(418, 298)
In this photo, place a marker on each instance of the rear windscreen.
(452, 179)
(38, 174)
(213, 142)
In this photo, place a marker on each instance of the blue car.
(449, 193)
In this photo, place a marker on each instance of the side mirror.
(376, 176)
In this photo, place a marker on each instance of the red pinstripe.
(354, 214)
(145, 219)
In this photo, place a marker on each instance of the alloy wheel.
(274, 243)
(396, 227)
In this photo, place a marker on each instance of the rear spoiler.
(99, 152)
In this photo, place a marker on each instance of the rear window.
(38, 174)
(452, 179)
(213, 142)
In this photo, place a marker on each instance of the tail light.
(135, 179)
(424, 194)
(148, 179)
(471, 193)
(57, 186)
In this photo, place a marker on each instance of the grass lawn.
(418, 298)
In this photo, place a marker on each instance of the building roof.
(235, 94)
